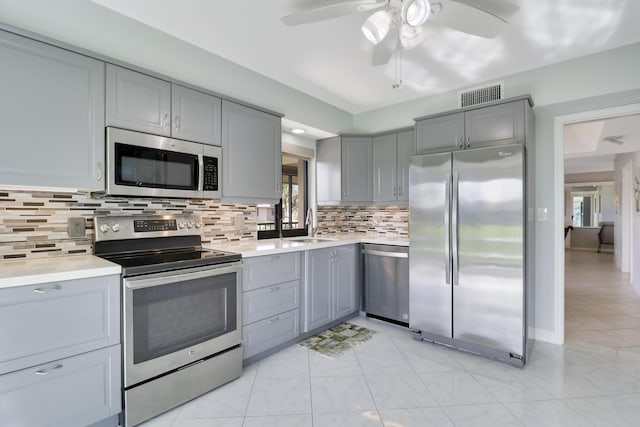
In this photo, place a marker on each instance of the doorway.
(599, 305)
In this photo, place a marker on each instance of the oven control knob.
(189, 225)
(197, 225)
(181, 224)
(115, 227)
(104, 228)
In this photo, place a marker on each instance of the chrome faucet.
(308, 222)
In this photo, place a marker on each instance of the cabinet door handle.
(165, 121)
(274, 258)
(400, 191)
(44, 291)
(468, 141)
(273, 289)
(460, 143)
(99, 171)
(48, 371)
(176, 122)
(274, 320)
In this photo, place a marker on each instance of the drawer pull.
(48, 371)
(274, 258)
(274, 289)
(274, 320)
(44, 291)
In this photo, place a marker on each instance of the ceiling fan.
(399, 23)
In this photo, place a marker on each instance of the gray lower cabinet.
(251, 154)
(51, 116)
(332, 286)
(71, 392)
(270, 301)
(391, 155)
(60, 359)
(344, 170)
(144, 103)
(499, 124)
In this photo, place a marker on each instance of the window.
(288, 217)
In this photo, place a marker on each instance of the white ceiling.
(330, 60)
(585, 148)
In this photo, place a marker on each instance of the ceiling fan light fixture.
(410, 37)
(416, 12)
(377, 26)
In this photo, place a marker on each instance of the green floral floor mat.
(334, 341)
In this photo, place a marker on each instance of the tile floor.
(394, 381)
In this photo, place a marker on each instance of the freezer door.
(488, 231)
(429, 249)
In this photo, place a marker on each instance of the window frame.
(279, 231)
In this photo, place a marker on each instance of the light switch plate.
(76, 227)
(543, 214)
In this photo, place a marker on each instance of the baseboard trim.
(544, 335)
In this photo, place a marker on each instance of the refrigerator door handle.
(454, 227)
(447, 230)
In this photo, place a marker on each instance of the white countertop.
(40, 270)
(275, 246)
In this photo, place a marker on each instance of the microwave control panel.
(210, 182)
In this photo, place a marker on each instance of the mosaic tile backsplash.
(34, 224)
(384, 220)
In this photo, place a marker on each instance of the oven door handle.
(173, 277)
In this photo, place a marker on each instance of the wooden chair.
(605, 235)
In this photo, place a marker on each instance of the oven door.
(139, 164)
(173, 319)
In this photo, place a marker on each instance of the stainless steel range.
(180, 310)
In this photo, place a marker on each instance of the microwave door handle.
(201, 173)
(139, 283)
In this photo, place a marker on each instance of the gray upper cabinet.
(406, 149)
(391, 155)
(444, 133)
(143, 103)
(196, 115)
(496, 125)
(138, 102)
(251, 154)
(384, 168)
(328, 170)
(51, 115)
(499, 124)
(344, 169)
(357, 172)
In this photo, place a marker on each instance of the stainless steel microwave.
(140, 164)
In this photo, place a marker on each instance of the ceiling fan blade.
(383, 51)
(470, 19)
(333, 11)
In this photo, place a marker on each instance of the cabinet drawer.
(76, 391)
(269, 301)
(268, 333)
(54, 320)
(271, 269)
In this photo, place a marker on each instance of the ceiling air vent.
(481, 95)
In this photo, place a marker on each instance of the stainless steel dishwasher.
(386, 282)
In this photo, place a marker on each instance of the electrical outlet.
(76, 227)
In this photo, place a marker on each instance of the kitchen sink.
(311, 239)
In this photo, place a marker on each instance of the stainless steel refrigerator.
(467, 250)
